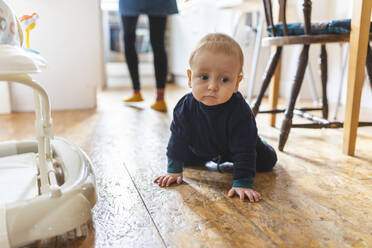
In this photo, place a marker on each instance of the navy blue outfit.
(157, 10)
(200, 133)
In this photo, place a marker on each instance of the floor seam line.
(147, 210)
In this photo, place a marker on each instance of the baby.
(215, 120)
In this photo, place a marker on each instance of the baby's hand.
(169, 179)
(251, 194)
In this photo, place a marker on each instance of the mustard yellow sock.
(160, 106)
(136, 97)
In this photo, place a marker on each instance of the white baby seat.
(47, 185)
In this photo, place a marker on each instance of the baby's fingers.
(250, 196)
(179, 180)
(164, 182)
(257, 196)
(170, 181)
(241, 195)
(158, 180)
(231, 193)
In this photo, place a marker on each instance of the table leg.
(358, 49)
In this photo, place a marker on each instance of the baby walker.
(47, 185)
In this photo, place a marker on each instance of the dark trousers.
(266, 156)
(265, 160)
(157, 38)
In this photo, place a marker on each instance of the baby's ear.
(189, 77)
(240, 77)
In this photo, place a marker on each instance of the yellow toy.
(29, 23)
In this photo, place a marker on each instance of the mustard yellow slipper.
(160, 106)
(137, 97)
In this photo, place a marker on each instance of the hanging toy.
(29, 22)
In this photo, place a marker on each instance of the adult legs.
(129, 26)
(157, 38)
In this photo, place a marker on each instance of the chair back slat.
(307, 16)
(269, 15)
(282, 16)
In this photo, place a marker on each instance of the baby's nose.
(213, 85)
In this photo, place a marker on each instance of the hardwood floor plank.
(121, 219)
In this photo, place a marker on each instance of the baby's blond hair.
(218, 42)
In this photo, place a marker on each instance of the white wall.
(199, 17)
(196, 18)
(68, 35)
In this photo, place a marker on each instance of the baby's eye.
(224, 80)
(204, 77)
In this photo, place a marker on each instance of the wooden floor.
(315, 197)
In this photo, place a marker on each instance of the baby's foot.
(222, 167)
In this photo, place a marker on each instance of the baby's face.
(214, 77)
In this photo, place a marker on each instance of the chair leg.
(342, 79)
(270, 69)
(324, 75)
(369, 64)
(274, 92)
(287, 121)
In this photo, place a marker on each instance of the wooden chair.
(308, 38)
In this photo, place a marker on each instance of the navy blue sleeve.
(244, 183)
(242, 143)
(180, 137)
(174, 166)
